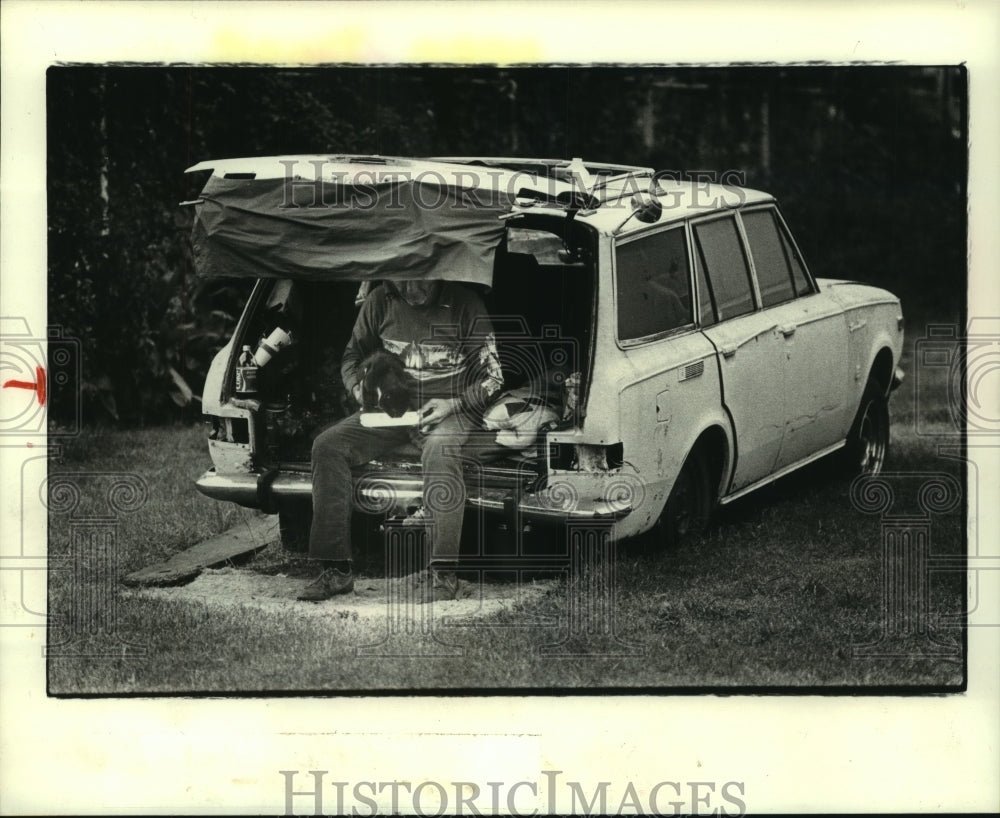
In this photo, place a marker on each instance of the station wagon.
(673, 328)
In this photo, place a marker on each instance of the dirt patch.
(373, 597)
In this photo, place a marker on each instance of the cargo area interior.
(541, 305)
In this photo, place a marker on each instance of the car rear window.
(653, 285)
(722, 257)
(542, 244)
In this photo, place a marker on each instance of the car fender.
(715, 418)
(874, 321)
(887, 334)
(711, 420)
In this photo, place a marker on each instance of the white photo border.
(793, 753)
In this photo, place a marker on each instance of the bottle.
(571, 397)
(271, 346)
(246, 373)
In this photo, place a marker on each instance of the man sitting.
(428, 325)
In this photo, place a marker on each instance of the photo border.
(224, 755)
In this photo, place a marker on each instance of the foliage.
(869, 163)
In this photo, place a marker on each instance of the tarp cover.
(401, 229)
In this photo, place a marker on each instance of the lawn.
(784, 593)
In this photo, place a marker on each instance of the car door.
(750, 350)
(667, 373)
(814, 348)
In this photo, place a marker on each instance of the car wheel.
(868, 442)
(294, 522)
(689, 506)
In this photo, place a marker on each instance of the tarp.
(400, 229)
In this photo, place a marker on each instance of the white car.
(687, 354)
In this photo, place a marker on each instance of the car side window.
(799, 277)
(653, 285)
(706, 309)
(769, 258)
(721, 255)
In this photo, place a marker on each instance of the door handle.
(728, 352)
(788, 331)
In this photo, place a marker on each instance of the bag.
(517, 416)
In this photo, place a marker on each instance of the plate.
(376, 420)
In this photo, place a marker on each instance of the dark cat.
(386, 385)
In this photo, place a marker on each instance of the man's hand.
(436, 410)
(356, 392)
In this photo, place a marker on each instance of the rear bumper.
(390, 495)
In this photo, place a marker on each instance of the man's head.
(418, 293)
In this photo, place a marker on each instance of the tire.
(689, 507)
(294, 522)
(868, 441)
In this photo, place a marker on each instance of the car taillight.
(230, 430)
(585, 457)
(239, 430)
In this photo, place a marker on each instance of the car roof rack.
(527, 164)
(598, 178)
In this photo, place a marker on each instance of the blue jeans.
(348, 443)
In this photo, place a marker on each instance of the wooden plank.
(246, 538)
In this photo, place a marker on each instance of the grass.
(778, 595)
(166, 459)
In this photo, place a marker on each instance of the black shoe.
(330, 582)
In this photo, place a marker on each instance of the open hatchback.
(318, 232)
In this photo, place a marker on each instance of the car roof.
(600, 194)
(680, 199)
(276, 167)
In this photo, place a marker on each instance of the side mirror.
(646, 208)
